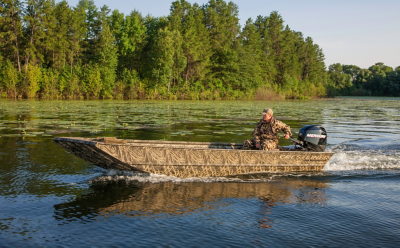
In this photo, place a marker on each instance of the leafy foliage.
(377, 80)
(52, 50)
(10, 79)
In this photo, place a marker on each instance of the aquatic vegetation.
(192, 120)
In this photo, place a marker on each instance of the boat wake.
(115, 175)
(128, 176)
(352, 157)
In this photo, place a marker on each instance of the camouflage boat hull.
(189, 159)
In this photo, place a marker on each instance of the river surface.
(50, 198)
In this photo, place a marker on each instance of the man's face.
(267, 117)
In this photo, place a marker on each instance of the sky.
(350, 32)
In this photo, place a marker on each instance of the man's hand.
(258, 145)
(286, 136)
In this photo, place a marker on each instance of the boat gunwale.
(137, 144)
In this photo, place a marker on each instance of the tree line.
(51, 50)
(351, 80)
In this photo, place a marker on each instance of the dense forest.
(351, 80)
(51, 50)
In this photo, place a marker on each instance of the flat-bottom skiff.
(189, 159)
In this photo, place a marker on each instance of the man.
(265, 133)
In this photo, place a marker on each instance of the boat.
(191, 159)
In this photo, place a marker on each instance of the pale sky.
(357, 32)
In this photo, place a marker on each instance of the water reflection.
(166, 199)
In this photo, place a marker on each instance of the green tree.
(131, 84)
(71, 79)
(163, 59)
(291, 87)
(10, 79)
(35, 30)
(290, 59)
(92, 82)
(180, 61)
(76, 34)
(378, 83)
(338, 78)
(250, 53)
(130, 35)
(10, 29)
(222, 21)
(267, 61)
(275, 27)
(92, 26)
(190, 22)
(49, 87)
(32, 79)
(63, 31)
(393, 83)
(352, 70)
(107, 59)
(361, 81)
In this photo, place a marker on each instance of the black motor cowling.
(313, 138)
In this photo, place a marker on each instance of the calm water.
(50, 198)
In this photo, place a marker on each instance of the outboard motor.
(313, 138)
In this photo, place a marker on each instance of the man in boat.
(265, 133)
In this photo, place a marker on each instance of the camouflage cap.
(267, 111)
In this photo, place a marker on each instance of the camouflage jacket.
(269, 130)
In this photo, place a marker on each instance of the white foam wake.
(115, 175)
(357, 158)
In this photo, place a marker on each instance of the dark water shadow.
(160, 200)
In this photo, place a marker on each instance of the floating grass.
(178, 120)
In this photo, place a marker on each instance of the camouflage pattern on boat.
(189, 159)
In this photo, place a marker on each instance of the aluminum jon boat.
(189, 159)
